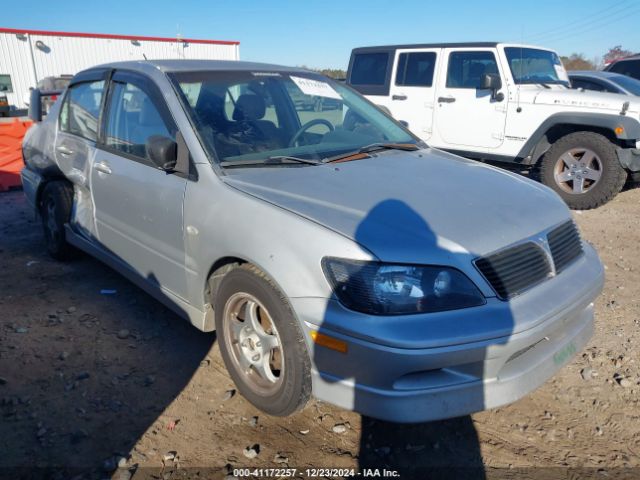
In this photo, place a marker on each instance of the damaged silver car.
(333, 252)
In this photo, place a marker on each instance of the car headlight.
(387, 289)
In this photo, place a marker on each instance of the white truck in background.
(511, 104)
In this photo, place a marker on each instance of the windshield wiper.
(275, 160)
(371, 148)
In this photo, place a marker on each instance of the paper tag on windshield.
(316, 88)
(562, 73)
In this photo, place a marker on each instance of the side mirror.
(493, 82)
(163, 152)
(35, 105)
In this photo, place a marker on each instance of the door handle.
(446, 99)
(64, 150)
(102, 168)
(398, 97)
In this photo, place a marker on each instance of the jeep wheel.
(55, 211)
(583, 169)
(261, 343)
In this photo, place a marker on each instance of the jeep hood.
(586, 99)
(421, 206)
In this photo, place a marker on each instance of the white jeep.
(507, 103)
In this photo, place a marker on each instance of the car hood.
(586, 99)
(425, 206)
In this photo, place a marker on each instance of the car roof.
(181, 65)
(593, 74)
(430, 45)
(630, 57)
(444, 45)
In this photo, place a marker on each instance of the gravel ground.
(95, 373)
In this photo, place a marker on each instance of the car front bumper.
(630, 158)
(455, 379)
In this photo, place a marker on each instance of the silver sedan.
(333, 252)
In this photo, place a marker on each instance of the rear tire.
(583, 168)
(55, 212)
(266, 357)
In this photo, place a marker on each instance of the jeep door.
(466, 115)
(412, 89)
(138, 206)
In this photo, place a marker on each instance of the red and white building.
(27, 56)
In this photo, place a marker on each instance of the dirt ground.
(94, 372)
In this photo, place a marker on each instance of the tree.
(577, 62)
(333, 73)
(329, 72)
(615, 53)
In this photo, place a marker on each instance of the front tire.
(55, 212)
(262, 345)
(583, 168)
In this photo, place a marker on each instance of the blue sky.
(322, 33)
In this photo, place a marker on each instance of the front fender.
(630, 127)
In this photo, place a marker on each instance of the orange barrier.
(11, 135)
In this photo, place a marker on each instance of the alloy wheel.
(52, 226)
(578, 170)
(253, 340)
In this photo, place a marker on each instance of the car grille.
(513, 270)
(565, 245)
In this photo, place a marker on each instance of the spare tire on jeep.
(583, 168)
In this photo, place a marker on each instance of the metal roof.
(18, 31)
(429, 45)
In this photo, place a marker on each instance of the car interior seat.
(251, 109)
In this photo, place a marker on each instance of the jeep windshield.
(282, 118)
(535, 66)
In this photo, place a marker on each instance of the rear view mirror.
(163, 152)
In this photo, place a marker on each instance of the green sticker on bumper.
(564, 354)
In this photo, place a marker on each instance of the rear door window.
(415, 69)
(466, 69)
(81, 109)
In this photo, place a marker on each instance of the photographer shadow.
(436, 449)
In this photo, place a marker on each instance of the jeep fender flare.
(538, 142)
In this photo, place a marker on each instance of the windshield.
(631, 85)
(531, 65)
(242, 116)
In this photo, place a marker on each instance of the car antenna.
(519, 83)
(144, 56)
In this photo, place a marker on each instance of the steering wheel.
(307, 126)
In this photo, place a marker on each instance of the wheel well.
(46, 181)
(560, 130)
(217, 273)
